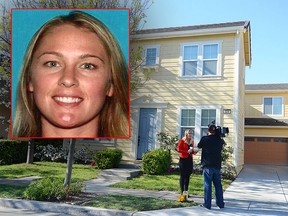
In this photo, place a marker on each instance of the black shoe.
(203, 206)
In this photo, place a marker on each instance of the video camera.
(219, 131)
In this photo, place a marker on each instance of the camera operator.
(211, 146)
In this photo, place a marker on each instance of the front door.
(147, 131)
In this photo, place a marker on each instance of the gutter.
(188, 33)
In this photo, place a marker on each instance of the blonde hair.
(185, 139)
(113, 118)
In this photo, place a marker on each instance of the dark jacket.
(211, 151)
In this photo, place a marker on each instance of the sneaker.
(186, 193)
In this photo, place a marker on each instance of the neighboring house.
(266, 124)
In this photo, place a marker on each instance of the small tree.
(167, 141)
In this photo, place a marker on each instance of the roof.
(244, 24)
(266, 122)
(266, 87)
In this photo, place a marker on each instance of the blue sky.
(269, 29)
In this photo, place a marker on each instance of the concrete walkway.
(258, 190)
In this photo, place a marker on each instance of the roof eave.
(266, 91)
(188, 33)
(265, 126)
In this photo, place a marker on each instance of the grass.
(11, 191)
(167, 182)
(133, 203)
(47, 169)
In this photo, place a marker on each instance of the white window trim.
(145, 47)
(199, 75)
(198, 109)
(279, 115)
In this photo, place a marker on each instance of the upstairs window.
(210, 59)
(151, 55)
(273, 106)
(190, 61)
(201, 60)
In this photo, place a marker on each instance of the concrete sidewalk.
(258, 190)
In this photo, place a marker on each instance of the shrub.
(60, 154)
(156, 162)
(51, 189)
(108, 158)
(228, 171)
(50, 153)
(12, 152)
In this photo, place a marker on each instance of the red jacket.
(183, 149)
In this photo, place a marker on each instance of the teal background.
(25, 22)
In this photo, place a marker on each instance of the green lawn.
(46, 169)
(169, 182)
(134, 203)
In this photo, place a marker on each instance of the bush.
(51, 189)
(60, 154)
(12, 152)
(50, 153)
(108, 158)
(228, 172)
(156, 162)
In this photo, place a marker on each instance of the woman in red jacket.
(186, 149)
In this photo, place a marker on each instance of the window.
(187, 120)
(198, 118)
(201, 59)
(273, 106)
(210, 58)
(249, 139)
(151, 55)
(207, 116)
(190, 60)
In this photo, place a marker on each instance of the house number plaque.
(227, 111)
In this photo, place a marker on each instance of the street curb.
(60, 208)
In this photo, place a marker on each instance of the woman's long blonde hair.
(114, 117)
(185, 139)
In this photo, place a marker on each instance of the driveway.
(258, 190)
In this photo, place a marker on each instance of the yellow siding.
(266, 132)
(254, 103)
(166, 85)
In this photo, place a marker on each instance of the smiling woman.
(73, 82)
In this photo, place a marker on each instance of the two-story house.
(266, 124)
(197, 76)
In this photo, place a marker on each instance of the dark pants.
(186, 169)
(213, 175)
(184, 182)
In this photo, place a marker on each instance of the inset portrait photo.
(70, 75)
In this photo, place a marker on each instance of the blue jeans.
(213, 175)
